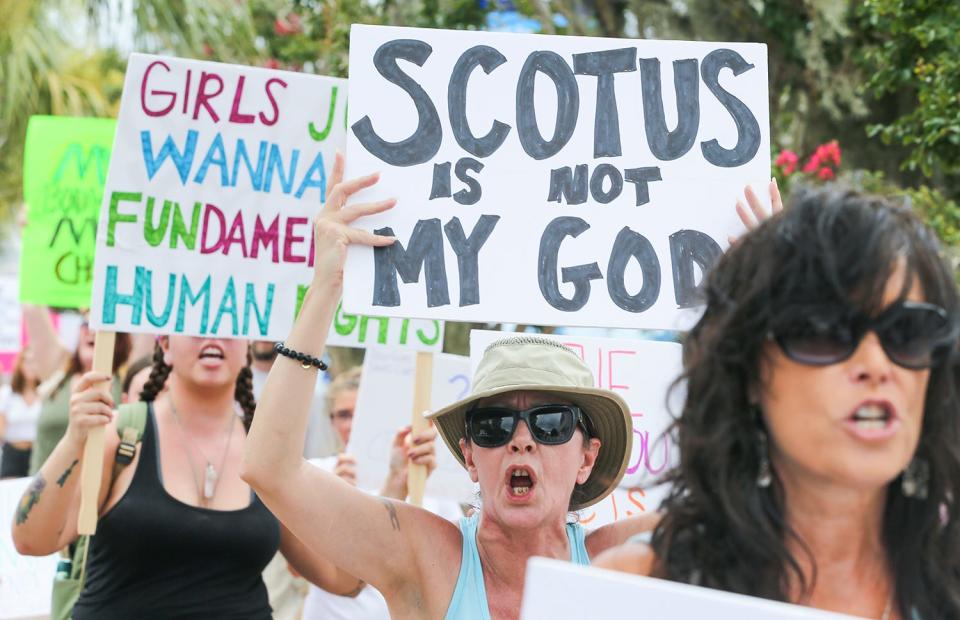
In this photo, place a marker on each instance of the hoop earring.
(915, 480)
(764, 475)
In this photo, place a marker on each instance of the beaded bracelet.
(306, 361)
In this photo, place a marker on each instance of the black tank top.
(155, 557)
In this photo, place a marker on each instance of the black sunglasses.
(914, 335)
(551, 425)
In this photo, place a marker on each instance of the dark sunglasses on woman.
(551, 425)
(914, 335)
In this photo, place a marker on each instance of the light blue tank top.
(469, 600)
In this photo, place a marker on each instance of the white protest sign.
(361, 331)
(555, 589)
(549, 180)
(216, 173)
(10, 316)
(385, 403)
(25, 582)
(642, 372)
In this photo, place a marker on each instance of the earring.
(915, 479)
(764, 475)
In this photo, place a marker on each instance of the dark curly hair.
(243, 392)
(835, 248)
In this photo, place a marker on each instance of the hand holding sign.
(758, 212)
(409, 447)
(91, 406)
(332, 230)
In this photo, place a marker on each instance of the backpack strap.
(131, 422)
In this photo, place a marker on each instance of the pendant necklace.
(211, 474)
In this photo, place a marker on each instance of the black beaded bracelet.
(306, 361)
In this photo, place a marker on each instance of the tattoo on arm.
(30, 499)
(62, 480)
(394, 520)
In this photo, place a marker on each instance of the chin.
(217, 380)
(870, 478)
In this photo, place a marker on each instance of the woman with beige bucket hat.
(535, 434)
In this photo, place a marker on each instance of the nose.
(869, 363)
(522, 441)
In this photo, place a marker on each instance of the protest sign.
(546, 179)
(64, 169)
(642, 372)
(25, 581)
(360, 331)
(216, 174)
(383, 406)
(555, 589)
(11, 327)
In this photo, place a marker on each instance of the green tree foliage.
(913, 51)
(314, 35)
(62, 57)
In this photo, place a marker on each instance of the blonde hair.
(344, 382)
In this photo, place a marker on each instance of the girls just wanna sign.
(216, 174)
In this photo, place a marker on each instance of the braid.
(158, 377)
(243, 393)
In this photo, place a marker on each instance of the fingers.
(759, 211)
(340, 192)
(426, 435)
(339, 163)
(349, 214)
(418, 453)
(89, 415)
(746, 216)
(776, 202)
(346, 468)
(90, 379)
(429, 461)
(400, 438)
(92, 395)
(365, 237)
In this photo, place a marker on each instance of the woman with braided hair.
(180, 534)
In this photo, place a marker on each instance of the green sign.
(64, 171)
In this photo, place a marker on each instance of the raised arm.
(46, 518)
(49, 353)
(367, 536)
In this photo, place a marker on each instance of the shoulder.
(632, 557)
(619, 532)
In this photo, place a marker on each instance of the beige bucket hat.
(533, 363)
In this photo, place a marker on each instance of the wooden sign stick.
(91, 471)
(422, 387)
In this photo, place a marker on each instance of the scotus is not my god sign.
(216, 174)
(546, 179)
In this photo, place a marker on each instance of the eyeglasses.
(914, 335)
(551, 425)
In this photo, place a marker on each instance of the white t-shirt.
(369, 604)
(21, 417)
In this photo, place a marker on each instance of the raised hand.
(332, 228)
(754, 212)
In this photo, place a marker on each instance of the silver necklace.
(211, 475)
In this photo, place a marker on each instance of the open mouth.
(520, 481)
(211, 352)
(872, 416)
